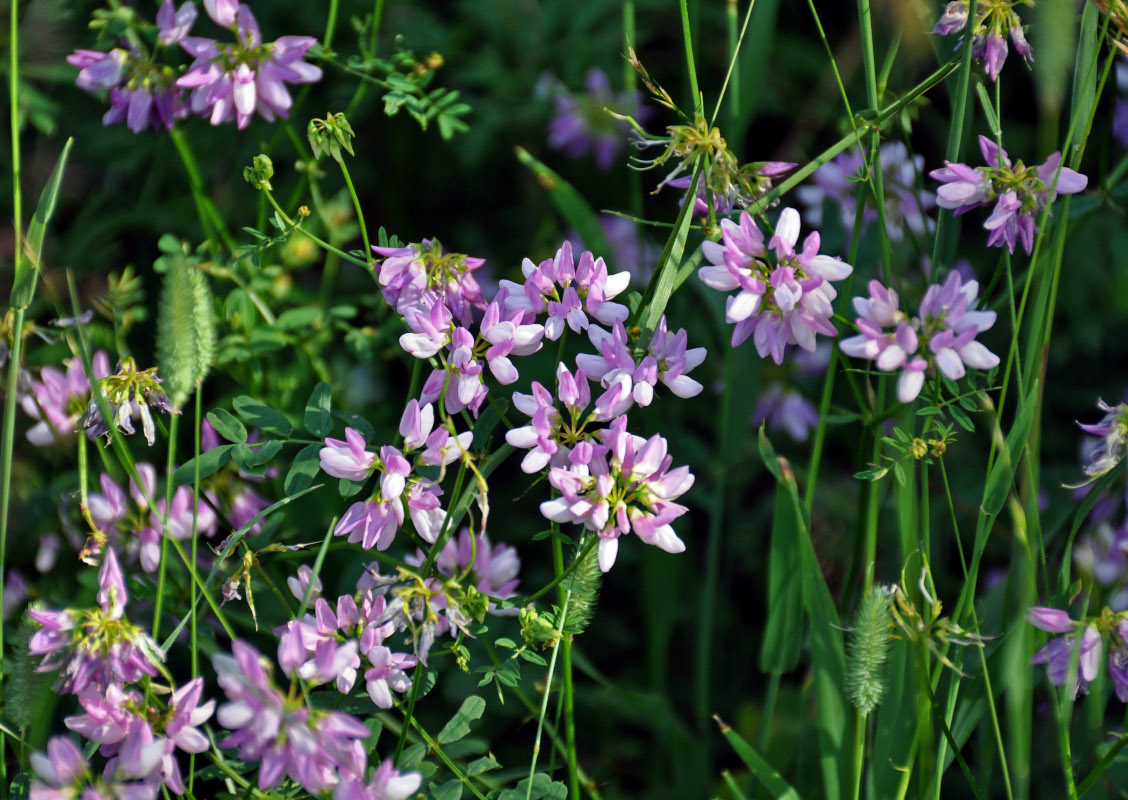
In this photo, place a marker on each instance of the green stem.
(562, 595)
(547, 694)
(698, 102)
(359, 213)
(859, 752)
(320, 242)
(158, 605)
(195, 516)
(210, 219)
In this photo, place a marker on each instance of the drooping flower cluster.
(941, 337)
(626, 486)
(752, 182)
(994, 20)
(1112, 431)
(127, 392)
(58, 400)
(581, 124)
(375, 522)
(1019, 192)
(227, 81)
(491, 568)
(422, 274)
(95, 647)
(906, 203)
(1084, 641)
(783, 295)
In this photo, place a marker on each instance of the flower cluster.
(127, 392)
(941, 337)
(906, 204)
(1112, 432)
(226, 81)
(783, 295)
(58, 400)
(581, 124)
(733, 191)
(423, 275)
(627, 485)
(1019, 192)
(491, 568)
(1082, 643)
(328, 645)
(375, 522)
(63, 773)
(994, 19)
(95, 647)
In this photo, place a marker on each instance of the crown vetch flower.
(142, 91)
(1019, 192)
(582, 125)
(59, 399)
(234, 81)
(994, 20)
(568, 291)
(1085, 642)
(629, 488)
(553, 437)
(784, 296)
(1113, 433)
(347, 459)
(422, 274)
(311, 746)
(941, 337)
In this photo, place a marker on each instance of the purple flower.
(993, 22)
(491, 568)
(787, 410)
(420, 274)
(174, 23)
(59, 399)
(142, 92)
(906, 205)
(582, 125)
(311, 746)
(568, 292)
(387, 783)
(347, 459)
(551, 437)
(630, 488)
(1113, 433)
(1059, 653)
(941, 337)
(1019, 192)
(233, 81)
(784, 296)
(757, 176)
(58, 771)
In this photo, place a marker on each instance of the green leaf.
(483, 764)
(571, 205)
(765, 774)
(357, 423)
(28, 262)
(318, 416)
(961, 418)
(263, 454)
(459, 725)
(348, 488)
(262, 417)
(451, 790)
(209, 462)
(227, 426)
(302, 471)
(293, 318)
(542, 787)
(783, 635)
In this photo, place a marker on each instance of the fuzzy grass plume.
(868, 651)
(186, 338)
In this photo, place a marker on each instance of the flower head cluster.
(628, 487)
(460, 380)
(628, 381)
(941, 337)
(316, 748)
(1082, 643)
(906, 205)
(127, 392)
(786, 409)
(783, 295)
(1019, 192)
(328, 645)
(375, 522)
(62, 773)
(581, 124)
(1112, 431)
(491, 568)
(59, 399)
(140, 739)
(422, 274)
(994, 20)
(568, 292)
(233, 81)
(733, 191)
(95, 647)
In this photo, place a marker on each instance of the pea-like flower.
(783, 295)
(994, 20)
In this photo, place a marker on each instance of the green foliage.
(186, 329)
(584, 584)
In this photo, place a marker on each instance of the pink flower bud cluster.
(422, 274)
(941, 337)
(58, 400)
(783, 296)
